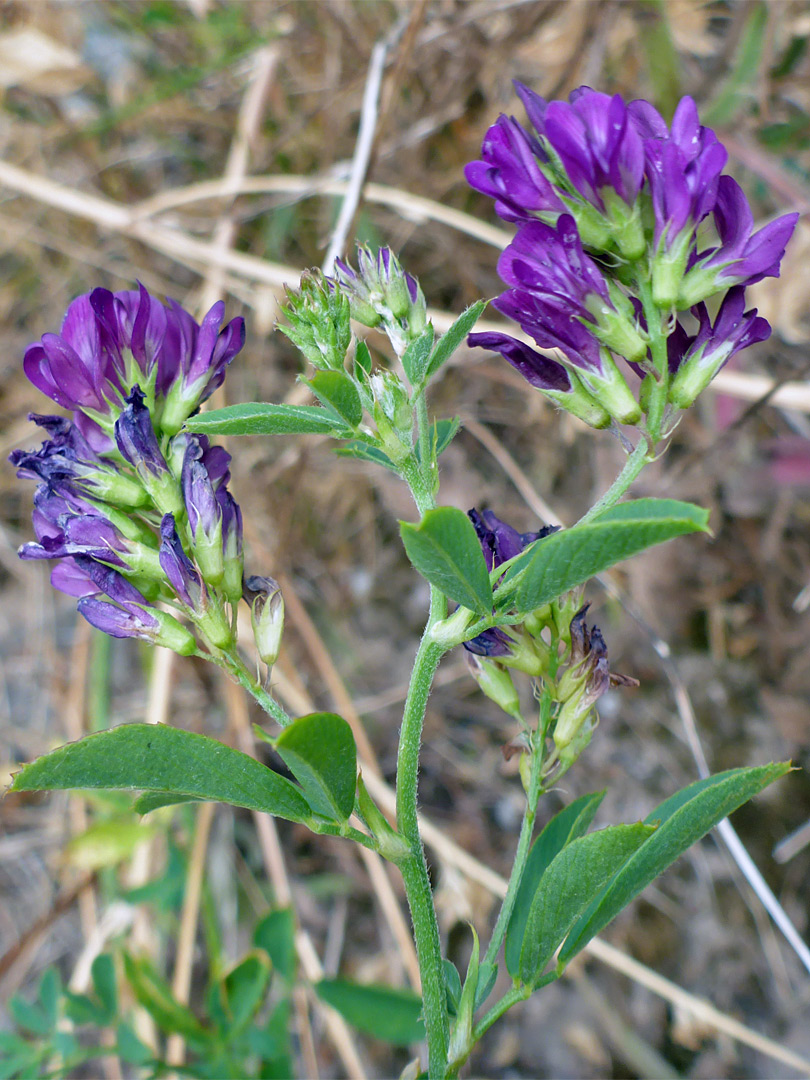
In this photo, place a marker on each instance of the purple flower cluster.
(133, 510)
(500, 543)
(608, 199)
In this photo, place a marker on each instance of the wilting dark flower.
(500, 543)
(67, 458)
(587, 678)
(695, 360)
(743, 256)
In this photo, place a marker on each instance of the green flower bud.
(496, 683)
(266, 615)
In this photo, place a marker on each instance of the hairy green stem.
(521, 856)
(632, 467)
(414, 869)
(235, 666)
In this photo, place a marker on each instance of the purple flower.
(595, 139)
(137, 442)
(499, 541)
(494, 643)
(695, 360)
(204, 512)
(74, 533)
(561, 299)
(136, 439)
(179, 569)
(111, 341)
(509, 173)
(742, 257)
(683, 165)
(126, 615)
(125, 612)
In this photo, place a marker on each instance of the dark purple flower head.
(179, 569)
(595, 139)
(508, 172)
(499, 541)
(695, 359)
(110, 341)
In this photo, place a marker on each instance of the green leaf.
(487, 974)
(568, 885)
(682, 820)
(657, 510)
(106, 843)
(551, 566)
(238, 996)
(155, 800)
(362, 357)
(336, 391)
(442, 433)
(444, 549)
(275, 933)
(415, 357)
(153, 992)
(104, 984)
(358, 449)
(153, 757)
(567, 825)
(450, 341)
(129, 1047)
(387, 1014)
(452, 984)
(264, 418)
(319, 751)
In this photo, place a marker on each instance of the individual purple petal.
(539, 370)
(178, 568)
(136, 439)
(68, 577)
(118, 622)
(493, 642)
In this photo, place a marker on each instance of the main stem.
(414, 868)
(521, 855)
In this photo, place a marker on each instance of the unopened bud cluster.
(382, 294)
(135, 511)
(613, 256)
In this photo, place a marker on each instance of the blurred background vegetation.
(113, 118)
